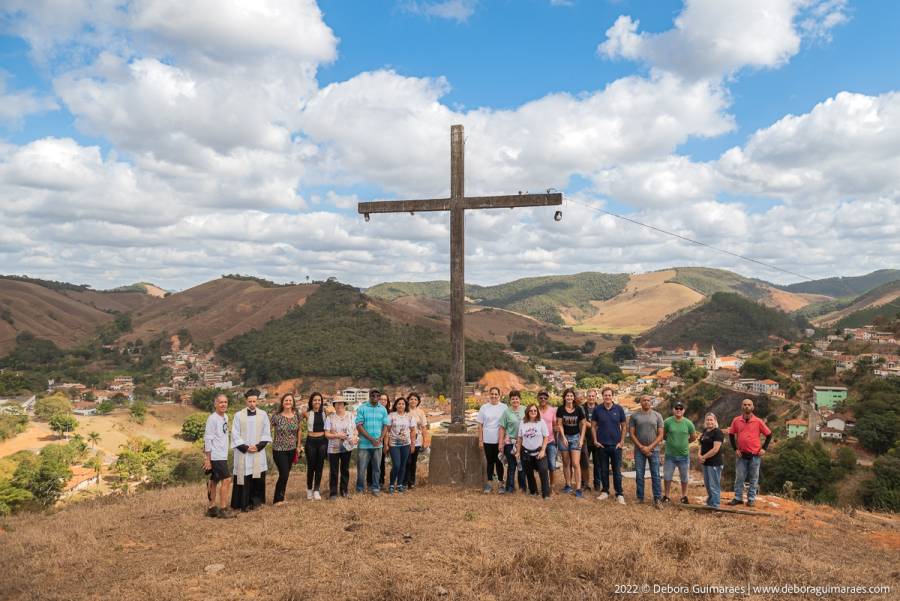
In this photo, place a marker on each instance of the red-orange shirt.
(747, 433)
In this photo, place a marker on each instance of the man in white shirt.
(215, 463)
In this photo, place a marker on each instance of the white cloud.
(712, 38)
(16, 105)
(453, 10)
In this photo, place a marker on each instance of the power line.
(691, 240)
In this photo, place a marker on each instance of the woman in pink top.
(548, 414)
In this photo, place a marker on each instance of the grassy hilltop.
(430, 544)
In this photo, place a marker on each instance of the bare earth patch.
(428, 544)
(646, 300)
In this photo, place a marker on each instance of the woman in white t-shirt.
(340, 430)
(422, 441)
(531, 446)
(489, 436)
(401, 435)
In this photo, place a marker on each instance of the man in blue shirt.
(371, 422)
(608, 431)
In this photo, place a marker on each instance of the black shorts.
(219, 471)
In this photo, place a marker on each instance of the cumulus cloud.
(712, 38)
(454, 10)
(16, 105)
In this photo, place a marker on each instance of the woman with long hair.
(316, 445)
(571, 426)
(286, 433)
(531, 448)
(340, 430)
(711, 459)
(401, 435)
(488, 419)
(413, 402)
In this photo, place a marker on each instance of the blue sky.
(154, 101)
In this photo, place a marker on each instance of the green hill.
(727, 320)
(707, 281)
(390, 291)
(868, 314)
(543, 297)
(334, 333)
(846, 286)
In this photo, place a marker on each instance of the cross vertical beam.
(457, 205)
(457, 279)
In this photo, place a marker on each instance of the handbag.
(296, 456)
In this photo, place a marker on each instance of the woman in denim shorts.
(571, 425)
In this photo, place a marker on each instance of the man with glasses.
(679, 434)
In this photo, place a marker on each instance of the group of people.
(533, 438)
(401, 427)
(529, 440)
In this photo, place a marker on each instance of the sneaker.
(309, 494)
(487, 488)
(684, 501)
(375, 492)
(502, 491)
(226, 514)
(317, 496)
(620, 499)
(391, 489)
(586, 488)
(401, 489)
(579, 494)
(566, 489)
(734, 502)
(751, 503)
(212, 512)
(656, 504)
(665, 499)
(603, 496)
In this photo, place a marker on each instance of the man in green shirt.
(509, 431)
(679, 434)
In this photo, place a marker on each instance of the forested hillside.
(846, 286)
(729, 321)
(335, 333)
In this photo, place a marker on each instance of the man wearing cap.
(372, 422)
(679, 434)
(744, 436)
(646, 429)
(608, 432)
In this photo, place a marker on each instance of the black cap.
(679, 405)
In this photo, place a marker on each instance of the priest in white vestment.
(250, 433)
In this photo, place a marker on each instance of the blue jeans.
(743, 467)
(365, 458)
(552, 452)
(682, 463)
(572, 442)
(399, 457)
(712, 479)
(509, 451)
(640, 464)
(610, 455)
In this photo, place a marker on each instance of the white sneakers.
(620, 499)
(309, 494)
(318, 497)
(603, 496)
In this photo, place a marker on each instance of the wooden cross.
(457, 204)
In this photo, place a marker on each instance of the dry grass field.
(430, 544)
(647, 299)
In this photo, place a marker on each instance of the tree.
(592, 382)
(94, 438)
(105, 407)
(138, 411)
(588, 347)
(49, 406)
(95, 464)
(624, 352)
(204, 398)
(44, 476)
(846, 459)
(878, 432)
(61, 423)
(758, 367)
(882, 492)
(194, 427)
(12, 497)
(807, 467)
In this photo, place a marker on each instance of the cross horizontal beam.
(472, 202)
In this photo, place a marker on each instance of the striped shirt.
(373, 419)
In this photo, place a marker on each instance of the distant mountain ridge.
(838, 287)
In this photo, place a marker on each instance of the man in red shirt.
(744, 435)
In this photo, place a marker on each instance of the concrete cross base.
(456, 460)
